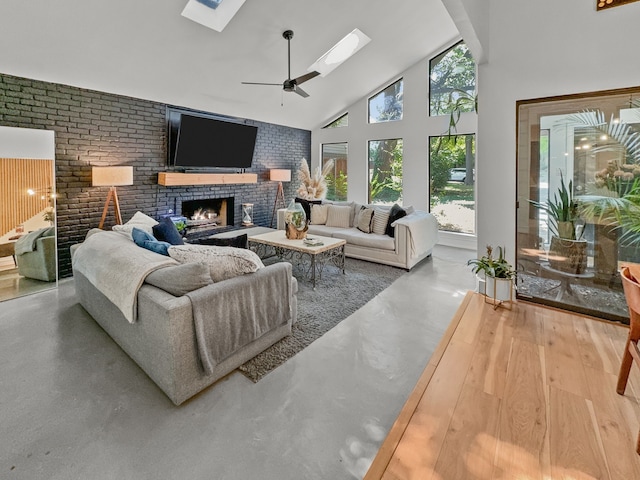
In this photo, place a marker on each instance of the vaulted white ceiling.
(146, 49)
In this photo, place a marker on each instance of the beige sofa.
(415, 235)
(162, 339)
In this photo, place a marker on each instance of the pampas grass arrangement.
(313, 187)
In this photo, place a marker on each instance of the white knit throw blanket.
(117, 267)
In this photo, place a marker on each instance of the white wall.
(414, 129)
(538, 49)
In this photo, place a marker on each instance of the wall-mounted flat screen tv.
(208, 143)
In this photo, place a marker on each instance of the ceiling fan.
(290, 84)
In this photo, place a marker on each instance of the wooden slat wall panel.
(17, 175)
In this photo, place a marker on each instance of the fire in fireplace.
(208, 213)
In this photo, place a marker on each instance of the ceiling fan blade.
(260, 83)
(305, 77)
(300, 91)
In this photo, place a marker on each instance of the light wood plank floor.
(527, 393)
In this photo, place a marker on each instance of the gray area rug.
(336, 297)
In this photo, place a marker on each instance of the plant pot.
(568, 256)
(498, 288)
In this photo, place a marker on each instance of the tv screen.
(207, 143)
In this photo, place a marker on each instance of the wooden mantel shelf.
(174, 179)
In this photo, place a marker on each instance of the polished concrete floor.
(74, 406)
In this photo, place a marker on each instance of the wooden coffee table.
(298, 252)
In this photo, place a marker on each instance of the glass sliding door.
(578, 187)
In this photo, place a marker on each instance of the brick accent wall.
(99, 129)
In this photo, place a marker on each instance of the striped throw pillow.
(380, 219)
(339, 216)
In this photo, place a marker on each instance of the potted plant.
(498, 273)
(568, 250)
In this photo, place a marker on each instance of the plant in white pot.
(498, 273)
(568, 250)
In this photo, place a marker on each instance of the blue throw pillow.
(148, 241)
(166, 231)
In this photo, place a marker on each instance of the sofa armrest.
(417, 232)
(280, 217)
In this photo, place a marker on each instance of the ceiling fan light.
(341, 51)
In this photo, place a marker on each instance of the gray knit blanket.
(242, 310)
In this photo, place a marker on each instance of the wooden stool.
(631, 352)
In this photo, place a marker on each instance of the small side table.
(565, 279)
(8, 250)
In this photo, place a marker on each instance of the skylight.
(341, 51)
(210, 3)
(215, 14)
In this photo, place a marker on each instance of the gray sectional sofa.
(415, 235)
(161, 339)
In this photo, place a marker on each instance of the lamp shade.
(280, 175)
(111, 176)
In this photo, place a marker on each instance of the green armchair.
(40, 263)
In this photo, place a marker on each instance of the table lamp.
(111, 177)
(279, 175)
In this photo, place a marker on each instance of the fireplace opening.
(208, 214)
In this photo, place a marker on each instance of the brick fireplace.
(206, 214)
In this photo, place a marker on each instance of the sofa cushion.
(351, 205)
(365, 220)
(319, 214)
(139, 220)
(181, 279)
(148, 241)
(395, 213)
(223, 262)
(166, 231)
(380, 219)
(354, 236)
(339, 216)
(322, 230)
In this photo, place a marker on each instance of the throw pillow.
(139, 220)
(223, 262)
(379, 223)
(166, 231)
(364, 220)
(319, 214)
(306, 205)
(238, 242)
(351, 205)
(148, 241)
(339, 216)
(395, 213)
(181, 279)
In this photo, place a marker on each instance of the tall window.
(342, 121)
(386, 106)
(385, 171)
(452, 182)
(337, 177)
(452, 81)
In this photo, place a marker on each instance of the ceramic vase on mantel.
(295, 219)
